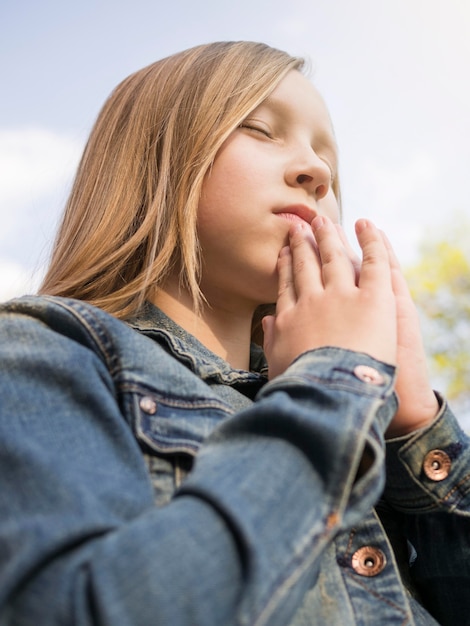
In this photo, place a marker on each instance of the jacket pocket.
(170, 431)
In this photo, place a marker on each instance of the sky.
(394, 74)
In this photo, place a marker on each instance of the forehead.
(296, 98)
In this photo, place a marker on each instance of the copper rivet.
(368, 375)
(148, 405)
(437, 465)
(368, 561)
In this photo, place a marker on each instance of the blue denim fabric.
(143, 481)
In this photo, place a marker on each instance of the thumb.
(268, 330)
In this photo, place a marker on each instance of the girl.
(156, 468)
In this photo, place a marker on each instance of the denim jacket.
(145, 482)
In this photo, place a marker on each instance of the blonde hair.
(131, 215)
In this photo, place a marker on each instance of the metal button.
(368, 375)
(368, 561)
(148, 405)
(437, 465)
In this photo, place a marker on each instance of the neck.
(224, 331)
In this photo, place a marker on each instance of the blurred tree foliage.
(440, 285)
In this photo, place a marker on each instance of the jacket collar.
(152, 322)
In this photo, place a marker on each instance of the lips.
(297, 211)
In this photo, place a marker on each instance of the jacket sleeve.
(81, 541)
(428, 482)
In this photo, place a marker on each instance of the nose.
(309, 171)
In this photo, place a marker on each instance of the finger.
(306, 270)
(375, 267)
(336, 266)
(268, 333)
(352, 254)
(390, 251)
(407, 314)
(286, 296)
(399, 284)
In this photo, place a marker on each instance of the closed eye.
(256, 129)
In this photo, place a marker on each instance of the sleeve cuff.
(429, 469)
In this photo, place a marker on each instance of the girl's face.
(274, 169)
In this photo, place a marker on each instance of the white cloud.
(393, 187)
(399, 198)
(36, 165)
(34, 162)
(15, 280)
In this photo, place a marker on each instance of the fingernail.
(318, 222)
(361, 225)
(298, 227)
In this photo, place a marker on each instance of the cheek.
(235, 174)
(217, 189)
(210, 200)
(213, 213)
(226, 196)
